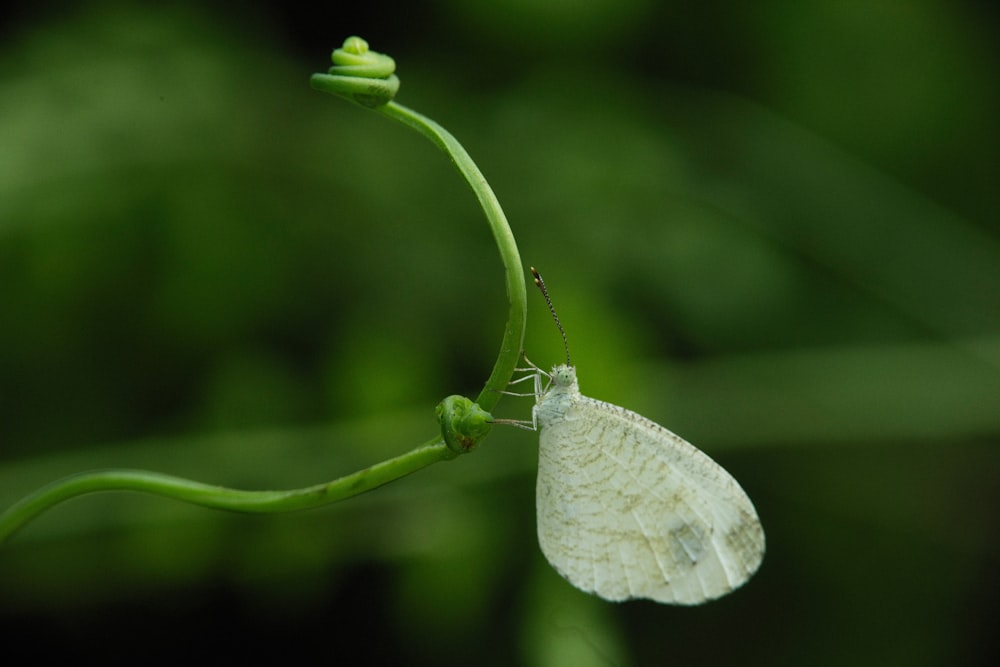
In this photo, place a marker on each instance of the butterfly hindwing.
(627, 509)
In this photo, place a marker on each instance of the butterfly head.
(564, 376)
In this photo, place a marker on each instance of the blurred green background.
(773, 227)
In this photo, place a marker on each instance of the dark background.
(772, 227)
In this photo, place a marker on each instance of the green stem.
(220, 497)
(513, 338)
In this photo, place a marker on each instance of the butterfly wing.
(627, 509)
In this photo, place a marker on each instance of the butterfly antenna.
(545, 293)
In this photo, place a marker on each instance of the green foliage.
(463, 423)
(772, 228)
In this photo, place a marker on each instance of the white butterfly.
(627, 509)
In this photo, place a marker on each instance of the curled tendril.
(463, 423)
(359, 74)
